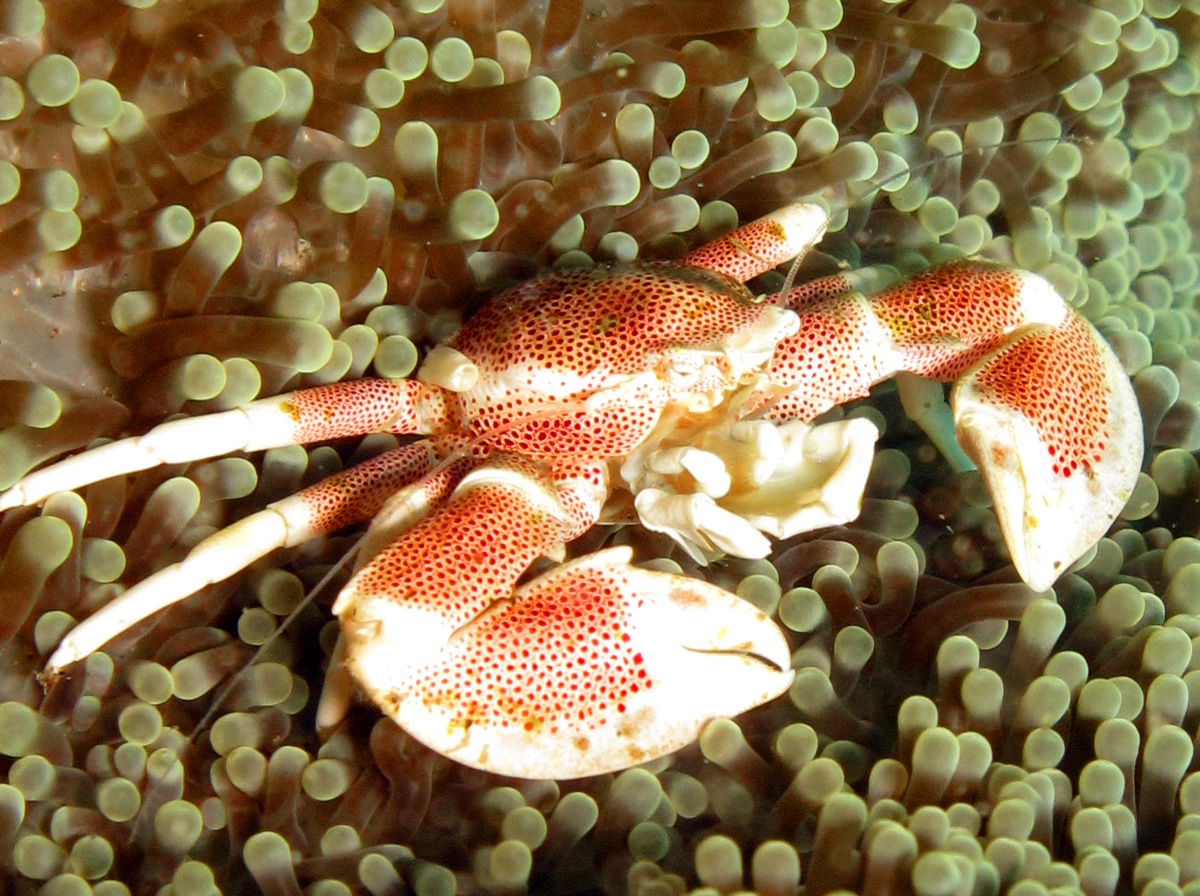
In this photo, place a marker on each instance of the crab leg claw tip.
(595, 666)
(1053, 424)
(762, 244)
(801, 225)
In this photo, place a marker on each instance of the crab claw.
(1040, 402)
(594, 666)
(1053, 424)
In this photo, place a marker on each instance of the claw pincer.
(1040, 402)
(672, 383)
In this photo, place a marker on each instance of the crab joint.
(449, 368)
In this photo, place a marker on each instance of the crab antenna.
(219, 700)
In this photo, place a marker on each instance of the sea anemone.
(205, 203)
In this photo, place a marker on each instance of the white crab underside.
(717, 484)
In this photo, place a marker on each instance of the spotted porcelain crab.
(672, 383)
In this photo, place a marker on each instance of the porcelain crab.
(672, 383)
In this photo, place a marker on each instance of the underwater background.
(206, 202)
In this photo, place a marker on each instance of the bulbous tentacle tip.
(1053, 424)
(593, 667)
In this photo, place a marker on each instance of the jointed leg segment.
(351, 408)
(352, 496)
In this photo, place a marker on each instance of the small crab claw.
(1053, 424)
(593, 666)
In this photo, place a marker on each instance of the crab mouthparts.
(749, 350)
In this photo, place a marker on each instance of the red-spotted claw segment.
(755, 248)
(1054, 426)
(596, 665)
(1040, 401)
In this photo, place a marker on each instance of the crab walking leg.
(324, 412)
(351, 496)
(591, 667)
(1040, 402)
(867, 280)
(762, 244)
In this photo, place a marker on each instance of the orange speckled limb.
(351, 408)
(594, 666)
(357, 407)
(937, 325)
(348, 497)
(1038, 395)
(764, 243)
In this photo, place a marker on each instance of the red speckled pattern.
(470, 551)
(815, 291)
(609, 429)
(944, 320)
(559, 655)
(612, 319)
(749, 251)
(582, 488)
(1056, 380)
(356, 407)
(591, 323)
(937, 325)
(829, 361)
(357, 493)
